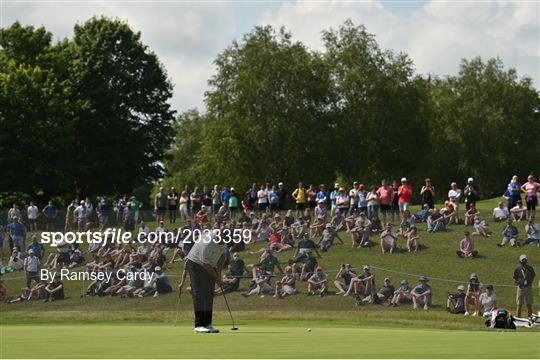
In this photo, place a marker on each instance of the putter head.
(234, 328)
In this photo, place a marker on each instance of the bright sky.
(188, 35)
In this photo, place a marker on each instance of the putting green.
(260, 340)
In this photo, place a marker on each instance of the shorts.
(312, 204)
(32, 221)
(173, 208)
(49, 220)
(160, 211)
(531, 201)
(403, 206)
(289, 290)
(262, 206)
(524, 296)
(18, 241)
(274, 206)
(300, 206)
(385, 208)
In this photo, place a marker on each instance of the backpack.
(500, 319)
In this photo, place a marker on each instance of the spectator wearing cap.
(487, 301)
(471, 193)
(524, 277)
(282, 195)
(454, 195)
(287, 285)
(333, 198)
(386, 196)
(519, 211)
(300, 197)
(455, 303)
(500, 213)
(510, 233)
(404, 195)
(421, 293)
(31, 267)
(386, 291)
(362, 285)
(343, 278)
(353, 197)
(466, 247)
(37, 247)
(402, 294)
(388, 240)
(318, 281)
(474, 288)
(342, 201)
(362, 199)
(428, 193)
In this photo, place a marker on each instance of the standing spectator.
(333, 198)
(36, 247)
(80, 214)
(71, 222)
(103, 214)
(386, 197)
(18, 234)
(513, 192)
(500, 213)
(311, 196)
(262, 199)
(13, 213)
(466, 247)
(362, 199)
(300, 197)
(160, 204)
(251, 196)
(31, 266)
(196, 201)
(134, 206)
(32, 213)
(404, 194)
(274, 199)
(121, 207)
(454, 195)
(373, 202)
(282, 195)
(353, 196)
(172, 204)
(322, 195)
(50, 213)
(233, 202)
(524, 277)
(184, 201)
(421, 293)
(531, 188)
(342, 201)
(471, 193)
(428, 193)
(216, 199)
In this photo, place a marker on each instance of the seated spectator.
(388, 240)
(413, 239)
(133, 283)
(343, 278)
(401, 295)
(481, 227)
(406, 222)
(261, 283)
(466, 247)
(268, 263)
(488, 301)
(510, 234)
(362, 285)
(386, 291)
(16, 260)
(532, 233)
(421, 293)
(500, 213)
(436, 221)
(163, 284)
(318, 281)
(423, 214)
(309, 264)
(148, 288)
(304, 246)
(287, 285)
(361, 231)
(25, 296)
(451, 211)
(55, 290)
(238, 265)
(328, 236)
(470, 214)
(231, 282)
(519, 212)
(455, 303)
(76, 258)
(473, 294)
(376, 225)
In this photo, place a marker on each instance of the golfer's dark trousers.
(202, 292)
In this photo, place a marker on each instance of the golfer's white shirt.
(206, 252)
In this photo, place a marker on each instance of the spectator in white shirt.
(500, 213)
(31, 268)
(519, 212)
(32, 213)
(454, 195)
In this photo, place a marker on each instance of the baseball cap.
(31, 251)
(473, 276)
(328, 225)
(280, 184)
(470, 179)
(157, 268)
(365, 267)
(403, 179)
(336, 185)
(522, 257)
(404, 282)
(424, 278)
(361, 186)
(461, 288)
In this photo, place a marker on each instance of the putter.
(234, 328)
(177, 307)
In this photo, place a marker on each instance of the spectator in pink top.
(404, 193)
(466, 247)
(530, 188)
(386, 195)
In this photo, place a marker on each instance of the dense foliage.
(277, 110)
(88, 115)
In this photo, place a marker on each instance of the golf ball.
(308, 330)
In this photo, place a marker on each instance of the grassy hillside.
(438, 261)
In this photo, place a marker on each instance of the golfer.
(524, 276)
(204, 263)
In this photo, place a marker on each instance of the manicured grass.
(260, 339)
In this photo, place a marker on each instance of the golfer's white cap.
(522, 257)
(280, 184)
(403, 179)
(470, 179)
